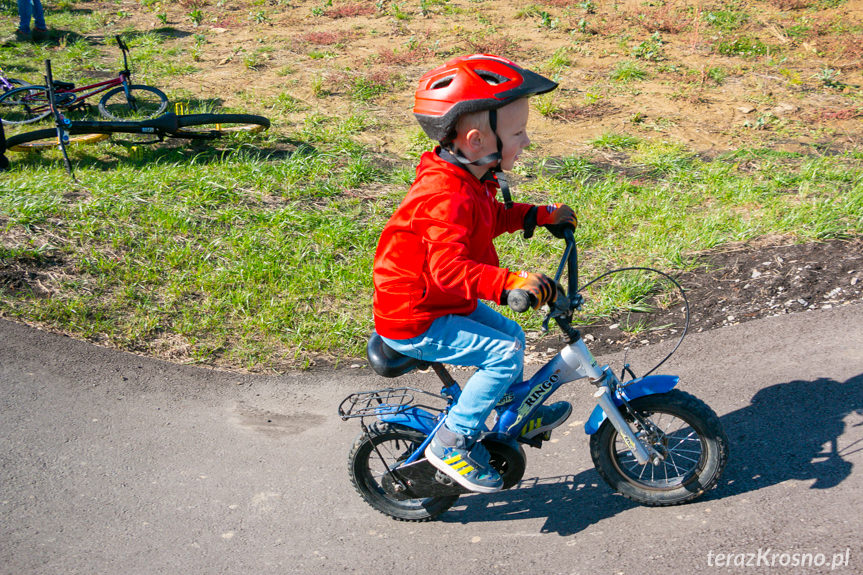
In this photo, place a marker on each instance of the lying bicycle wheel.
(206, 126)
(139, 103)
(47, 138)
(24, 105)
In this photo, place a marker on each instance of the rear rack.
(389, 401)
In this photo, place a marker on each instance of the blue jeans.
(28, 9)
(485, 339)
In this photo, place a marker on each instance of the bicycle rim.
(217, 125)
(24, 105)
(43, 139)
(142, 102)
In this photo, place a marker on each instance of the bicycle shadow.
(788, 431)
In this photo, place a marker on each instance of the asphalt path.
(114, 463)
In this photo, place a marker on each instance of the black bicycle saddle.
(387, 362)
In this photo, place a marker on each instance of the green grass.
(627, 71)
(256, 252)
(249, 256)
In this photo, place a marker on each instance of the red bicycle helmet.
(470, 84)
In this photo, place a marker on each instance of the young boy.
(435, 259)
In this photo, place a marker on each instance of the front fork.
(644, 454)
(129, 97)
(606, 382)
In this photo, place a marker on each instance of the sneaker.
(21, 35)
(464, 461)
(546, 418)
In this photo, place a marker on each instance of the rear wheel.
(47, 138)
(195, 126)
(684, 430)
(141, 103)
(371, 478)
(24, 105)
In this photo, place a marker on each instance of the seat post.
(450, 386)
(443, 374)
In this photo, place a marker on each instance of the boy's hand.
(539, 285)
(555, 218)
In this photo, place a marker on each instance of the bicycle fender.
(412, 417)
(650, 385)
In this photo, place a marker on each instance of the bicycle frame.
(522, 400)
(100, 87)
(123, 79)
(4, 83)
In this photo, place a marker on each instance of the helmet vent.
(442, 83)
(492, 78)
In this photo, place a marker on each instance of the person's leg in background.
(39, 17)
(25, 12)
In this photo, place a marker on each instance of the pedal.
(443, 478)
(546, 436)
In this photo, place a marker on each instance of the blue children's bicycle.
(652, 443)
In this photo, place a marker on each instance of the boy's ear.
(473, 139)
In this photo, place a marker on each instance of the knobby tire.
(47, 138)
(369, 478)
(696, 450)
(192, 126)
(195, 126)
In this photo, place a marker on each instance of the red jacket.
(435, 256)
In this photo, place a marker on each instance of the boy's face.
(512, 130)
(475, 139)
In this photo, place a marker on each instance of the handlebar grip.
(520, 300)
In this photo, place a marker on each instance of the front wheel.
(373, 455)
(141, 103)
(685, 432)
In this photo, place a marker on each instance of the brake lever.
(576, 300)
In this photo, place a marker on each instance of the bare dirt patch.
(712, 75)
(744, 283)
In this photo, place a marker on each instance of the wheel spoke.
(682, 451)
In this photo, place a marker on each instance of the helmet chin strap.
(496, 170)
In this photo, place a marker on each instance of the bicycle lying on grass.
(8, 84)
(653, 444)
(122, 101)
(190, 127)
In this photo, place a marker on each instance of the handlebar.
(562, 307)
(520, 300)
